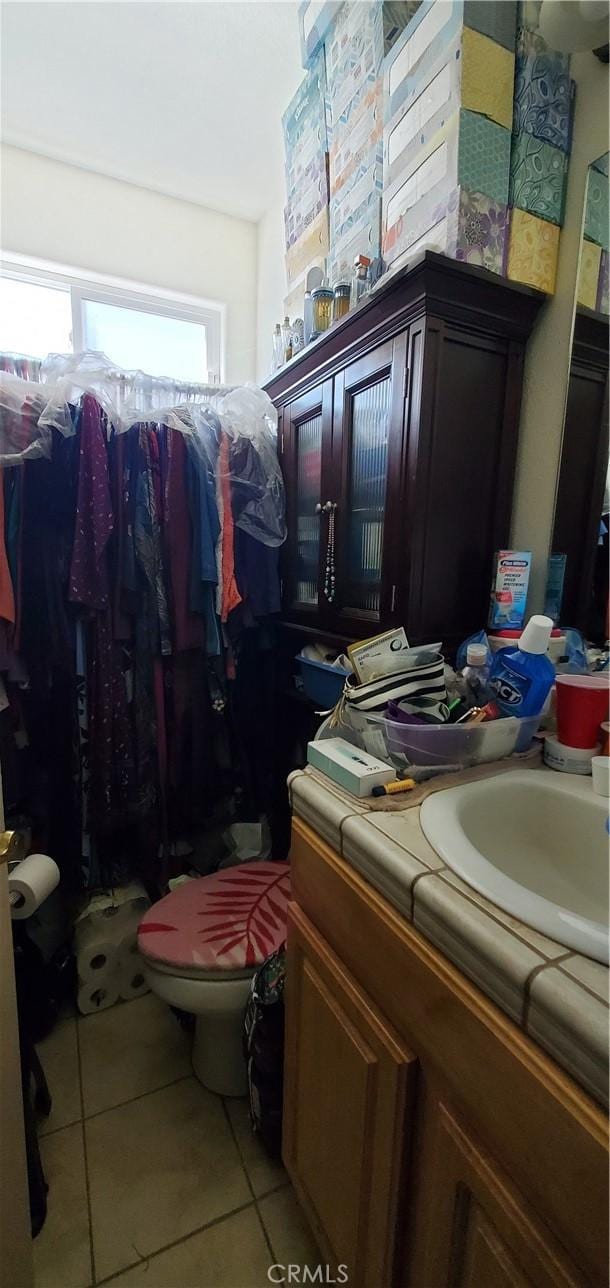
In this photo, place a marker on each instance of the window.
(34, 320)
(46, 311)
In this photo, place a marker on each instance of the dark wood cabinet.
(582, 479)
(398, 438)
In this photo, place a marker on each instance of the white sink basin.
(536, 844)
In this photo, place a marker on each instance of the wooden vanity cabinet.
(431, 1143)
(403, 418)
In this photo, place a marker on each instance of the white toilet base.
(218, 1057)
(218, 1006)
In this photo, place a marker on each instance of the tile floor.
(153, 1180)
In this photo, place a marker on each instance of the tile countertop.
(558, 997)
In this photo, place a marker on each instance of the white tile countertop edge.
(558, 997)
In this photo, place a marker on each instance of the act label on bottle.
(511, 689)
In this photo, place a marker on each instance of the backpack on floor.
(264, 1050)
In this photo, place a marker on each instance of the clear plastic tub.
(446, 744)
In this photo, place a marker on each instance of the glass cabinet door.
(308, 448)
(366, 494)
(306, 432)
(367, 446)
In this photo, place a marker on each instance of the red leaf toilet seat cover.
(230, 921)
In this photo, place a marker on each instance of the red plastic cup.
(583, 703)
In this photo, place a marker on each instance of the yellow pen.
(389, 789)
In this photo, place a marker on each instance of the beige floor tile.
(263, 1173)
(159, 1168)
(288, 1231)
(131, 1049)
(59, 1058)
(232, 1254)
(62, 1253)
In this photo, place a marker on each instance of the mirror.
(577, 587)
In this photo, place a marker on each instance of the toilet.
(200, 946)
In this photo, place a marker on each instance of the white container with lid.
(568, 760)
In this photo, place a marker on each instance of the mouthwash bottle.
(522, 675)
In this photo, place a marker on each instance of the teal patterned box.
(484, 156)
(538, 177)
(597, 210)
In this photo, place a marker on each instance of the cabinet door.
(306, 438)
(470, 1227)
(347, 1106)
(368, 420)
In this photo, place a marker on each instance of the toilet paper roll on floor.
(132, 980)
(30, 883)
(97, 952)
(95, 996)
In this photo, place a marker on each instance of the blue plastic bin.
(322, 682)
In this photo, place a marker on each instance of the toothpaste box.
(509, 589)
(353, 769)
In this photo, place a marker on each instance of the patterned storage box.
(465, 225)
(431, 39)
(603, 284)
(597, 212)
(354, 57)
(538, 177)
(543, 91)
(533, 248)
(588, 274)
(305, 149)
(468, 154)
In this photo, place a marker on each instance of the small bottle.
(360, 279)
(307, 317)
(476, 673)
(522, 676)
(287, 339)
(277, 348)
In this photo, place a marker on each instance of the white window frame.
(126, 294)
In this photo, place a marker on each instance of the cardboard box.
(509, 590)
(542, 103)
(588, 274)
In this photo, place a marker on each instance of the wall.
(78, 218)
(549, 349)
(271, 285)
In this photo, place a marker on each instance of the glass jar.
(322, 299)
(341, 300)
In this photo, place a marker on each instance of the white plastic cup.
(600, 767)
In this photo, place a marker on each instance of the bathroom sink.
(536, 844)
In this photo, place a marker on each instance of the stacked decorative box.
(539, 159)
(448, 113)
(355, 45)
(593, 275)
(306, 165)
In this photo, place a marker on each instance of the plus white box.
(348, 766)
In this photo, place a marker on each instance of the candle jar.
(322, 299)
(341, 300)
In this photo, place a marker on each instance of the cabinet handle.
(329, 572)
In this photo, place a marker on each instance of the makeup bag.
(420, 686)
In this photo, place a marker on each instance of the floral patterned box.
(465, 225)
(469, 154)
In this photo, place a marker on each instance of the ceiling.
(183, 98)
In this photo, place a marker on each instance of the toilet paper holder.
(9, 844)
